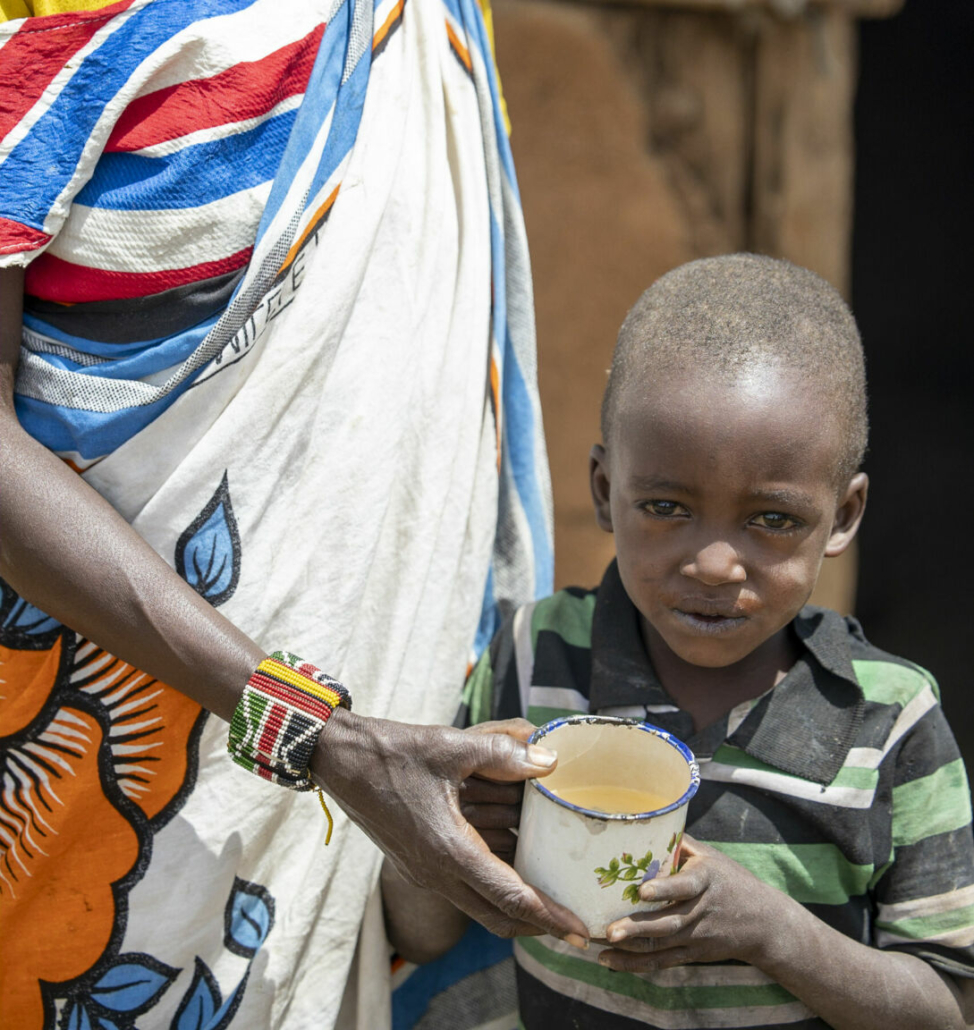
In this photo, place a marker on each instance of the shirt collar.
(805, 726)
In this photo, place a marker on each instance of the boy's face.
(723, 502)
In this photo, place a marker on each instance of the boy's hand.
(717, 911)
(494, 809)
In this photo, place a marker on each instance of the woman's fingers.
(502, 843)
(491, 817)
(401, 783)
(477, 791)
(495, 755)
(508, 906)
(519, 728)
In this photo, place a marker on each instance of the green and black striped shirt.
(842, 787)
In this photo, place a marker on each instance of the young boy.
(827, 875)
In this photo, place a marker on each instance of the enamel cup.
(588, 860)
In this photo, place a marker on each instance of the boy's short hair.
(722, 316)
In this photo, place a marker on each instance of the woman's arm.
(67, 551)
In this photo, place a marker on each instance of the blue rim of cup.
(542, 731)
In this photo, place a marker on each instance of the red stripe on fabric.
(52, 278)
(16, 237)
(272, 729)
(247, 90)
(284, 692)
(34, 55)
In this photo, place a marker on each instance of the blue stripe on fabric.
(474, 23)
(148, 359)
(345, 123)
(477, 950)
(37, 170)
(91, 434)
(519, 424)
(453, 6)
(519, 437)
(489, 618)
(193, 176)
(319, 97)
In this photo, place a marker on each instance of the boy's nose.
(714, 564)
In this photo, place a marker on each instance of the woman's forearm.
(67, 551)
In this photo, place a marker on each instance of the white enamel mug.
(590, 860)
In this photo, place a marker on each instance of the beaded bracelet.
(276, 723)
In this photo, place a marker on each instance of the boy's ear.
(848, 515)
(598, 478)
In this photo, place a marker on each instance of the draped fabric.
(279, 315)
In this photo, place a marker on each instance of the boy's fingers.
(692, 879)
(631, 962)
(693, 848)
(647, 931)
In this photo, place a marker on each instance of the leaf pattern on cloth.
(208, 552)
(95, 758)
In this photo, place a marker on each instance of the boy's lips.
(710, 616)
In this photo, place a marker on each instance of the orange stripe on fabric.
(387, 24)
(309, 229)
(462, 52)
(495, 393)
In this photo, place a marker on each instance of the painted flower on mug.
(652, 871)
(631, 871)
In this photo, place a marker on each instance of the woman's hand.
(402, 785)
(492, 808)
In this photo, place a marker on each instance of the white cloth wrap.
(360, 451)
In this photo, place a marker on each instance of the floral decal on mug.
(636, 872)
(673, 848)
(629, 869)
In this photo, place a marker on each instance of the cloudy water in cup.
(612, 799)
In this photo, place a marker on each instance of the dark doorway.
(913, 294)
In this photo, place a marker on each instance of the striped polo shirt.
(842, 787)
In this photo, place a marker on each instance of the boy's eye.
(664, 509)
(775, 520)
